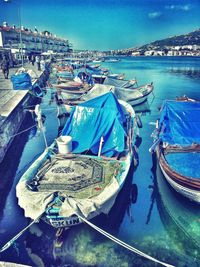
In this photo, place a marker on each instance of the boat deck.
(81, 177)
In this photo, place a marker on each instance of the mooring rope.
(123, 244)
(11, 241)
(11, 136)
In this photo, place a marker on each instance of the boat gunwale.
(185, 181)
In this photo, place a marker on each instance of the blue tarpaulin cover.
(89, 121)
(21, 81)
(180, 122)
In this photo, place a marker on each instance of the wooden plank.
(12, 102)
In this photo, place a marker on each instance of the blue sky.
(106, 24)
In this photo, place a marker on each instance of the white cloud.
(179, 7)
(154, 15)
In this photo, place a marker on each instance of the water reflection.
(180, 217)
(190, 72)
(124, 201)
(153, 188)
(11, 219)
(143, 108)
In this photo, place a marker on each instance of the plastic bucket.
(64, 144)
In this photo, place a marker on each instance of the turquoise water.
(157, 220)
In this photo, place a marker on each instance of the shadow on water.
(143, 108)
(153, 188)
(9, 166)
(180, 217)
(8, 173)
(125, 199)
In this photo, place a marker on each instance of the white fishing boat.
(116, 76)
(83, 171)
(112, 60)
(72, 94)
(68, 85)
(71, 90)
(94, 91)
(129, 91)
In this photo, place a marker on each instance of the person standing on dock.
(5, 67)
(33, 59)
(37, 60)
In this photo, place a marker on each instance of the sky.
(105, 24)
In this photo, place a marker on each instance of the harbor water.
(147, 215)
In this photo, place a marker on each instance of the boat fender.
(153, 147)
(138, 141)
(138, 121)
(135, 156)
(32, 185)
(134, 193)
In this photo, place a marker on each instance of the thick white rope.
(123, 244)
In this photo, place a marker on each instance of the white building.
(135, 53)
(31, 41)
(154, 53)
(148, 53)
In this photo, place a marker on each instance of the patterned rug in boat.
(78, 176)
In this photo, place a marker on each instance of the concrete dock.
(12, 105)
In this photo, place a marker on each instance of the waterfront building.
(135, 53)
(31, 42)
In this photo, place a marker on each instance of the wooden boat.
(82, 177)
(135, 96)
(116, 76)
(65, 75)
(99, 78)
(112, 60)
(128, 90)
(68, 85)
(177, 143)
(70, 95)
(96, 66)
(70, 90)
(90, 93)
(98, 60)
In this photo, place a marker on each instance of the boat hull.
(71, 95)
(138, 101)
(133, 96)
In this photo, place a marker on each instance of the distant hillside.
(192, 38)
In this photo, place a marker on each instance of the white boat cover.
(118, 82)
(128, 94)
(87, 186)
(97, 90)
